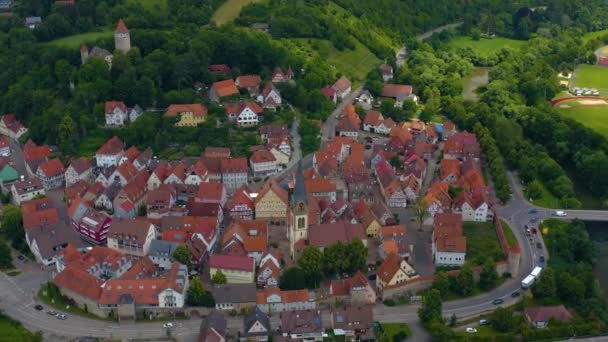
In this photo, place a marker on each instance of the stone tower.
(298, 221)
(122, 40)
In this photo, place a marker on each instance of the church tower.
(122, 39)
(298, 223)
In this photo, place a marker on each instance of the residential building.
(244, 113)
(321, 188)
(222, 89)
(246, 238)
(270, 98)
(271, 202)
(393, 272)
(234, 297)
(217, 69)
(263, 163)
(399, 93)
(251, 83)
(96, 52)
(302, 324)
(93, 226)
(540, 316)
(217, 152)
(189, 115)
(325, 235)
(269, 270)
(11, 127)
(330, 94)
(387, 72)
(160, 201)
(279, 76)
(117, 113)
(342, 87)
(237, 269)
(51, 173)
(474, 206)
(349, 123)
(234, 172)
(449, 246)
(211, 193)
(214, 328)
(132, 237)
(161, 253)
(5, 146)
(35, 155)
(110, 153)
(26, 190)
(353, 322)
(272, 299)
(355, 290)
(462, 146)
(449, 129)
(256, 326)
(79, 169)
(242, 204)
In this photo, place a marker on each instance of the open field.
(485, 45)
(592, 35)
(595, 118)
(230, 10)
(76, 40)
(356, 64)
(592, 76)
(152, 5)
(482, 242)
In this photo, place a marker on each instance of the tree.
(395, 162)
(67, 137)
(421, 211)
(219, 278)
(570, 288)
(431, 307)
(442, 284)
(453, 320)
(356, 254)
(502, 319)
(545, 286)
(292, 278)
(465, 280)
(427, 115)
(335, 258)
(12, 223)
(488, 275)
(311, 263)
(534, 190)
(6, 260)
(182, 255)
(196, 292)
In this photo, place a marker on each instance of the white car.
(168, 325)
(471, 330)
(560, 213)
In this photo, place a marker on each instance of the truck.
(527, 282)
(536, 271)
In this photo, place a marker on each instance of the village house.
(242, 204)
(99, 261)
(438, 198)
(279, 76)
(123, 174)
(256, 326)
(246, 237)
(353, 322)
(321, 188)
(349, 123)
(35, 155)
(160, 201)
(110, 153)
(387, 72)
(342, 87)
(197, 173)
(269, 270)
(234, 172)
(117, 113)
(263, 164)
(189, 115)
(462, 146)
(213, 328)
(26, 190)
(325, 235)
(270, 98)
(272, 299)
(11, 127)
(272, 202)
(93, 226)
(234, 297)
(8, 173)
(449, 171)
(449, 129)
(474, 206)
(330, 94)
(161, 253)
(51, 173)
(449, 246)
(540, 316)
(244, 113)
(268, 132)
(355, 290)
(237, 269)
(250, 83)
(79, 169)
(390, 187)
(218, 69)
(5, 146)
(133, 195)
(393, 273)
(132, 237)
(211, 193)
(158, 176)
(399, 93)
(306, 325)
(222, 89)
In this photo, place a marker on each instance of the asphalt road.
(403, 51)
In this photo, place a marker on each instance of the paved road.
(403, 51)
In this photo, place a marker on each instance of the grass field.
(547, 200)
(392, 330)
(482, 242)
(595, 118)
(592, 35)
(76, 40)
(152, 5)
(14, 331)
(592, 76)
(485, 45)
(356, 64)
(229, 10)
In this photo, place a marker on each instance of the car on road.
(532, 211)
(515, 294)
(497, 301)
(168, 325)
(471, 330)
(38, 307)
(560, 213)
(539, 245)
(52, 312)
(21, 257)
(541, 258)
(61, 316)
(484, 322)
(534, 230)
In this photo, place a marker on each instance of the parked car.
(541, 258)
(515, 294)
(168, 325)
(61, 316)
(471, 330)
(21, 257)
(539, 245)
(38, 307)
(52, 312)
(484, 322)
(497, 301)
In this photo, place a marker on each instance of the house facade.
(132, 237)
(237, 269)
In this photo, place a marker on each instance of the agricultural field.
(77, 40)
(152, 5)
(356, 63)
(485, 45)
(229, 10)
(592, 76)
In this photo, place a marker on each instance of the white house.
(272, 299)
(116, 113)
(79, 169)
(245, 113)
(110, 153)
(26, 190)
(474, 207)
(263, 163)
(342, 87)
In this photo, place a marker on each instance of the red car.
(533, 230)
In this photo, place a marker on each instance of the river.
(477, 78)
(598, 232)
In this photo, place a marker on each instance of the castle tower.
(122, 40)
(84, 54)
(298, 223)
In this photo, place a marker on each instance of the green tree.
(6, 259)
(427, 115)
(570, 288)
(431, 307)
(465, 281)
(356, 254)
(12, 223)
(182, 255)
(453, 320)
(68, 135)
(442, 284)
(292, 278)
(488, 275)
(311, 263)
(335, 258)
(534, 190)
(196, 292)
(502, 319)
(421, 211)
(544, 286)
(219, 278)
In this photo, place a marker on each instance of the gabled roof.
(110, 105)
(248, 81)
(197, 109)
(237, 108)
(342, 84)
(211, 191)
(52, 168)
(225, 88)
(396, 90)
(81, 165)
(234, 165)
(219, 69)
(389, 267)
(262, 156)
(232, 262)
(136, 230)
(121, 27)
(112, 147)
(79, 281)
(373, 118)
(323, 235)
(216, 152)
(213, 328)
(545, 313)
(272, 185)
(449, 167)
(343, 287)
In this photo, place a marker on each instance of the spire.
(121, 27)
(299, 193)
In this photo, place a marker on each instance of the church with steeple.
(122, 42)
(298, 213)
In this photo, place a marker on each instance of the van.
(560, 213)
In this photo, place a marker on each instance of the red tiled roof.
(449, 167)
(262, 156)
(225, 88)
(389, 267)
(319, 185)
(79, 281)
(328, 92)
(234, 165)
(197, 109)
(112, 147)
(211, 191)
(274, 186)
(52, 167)
(454, 244)
(373, 118)
(237, 108)
(232, 262)
(289, 296)
(110, 105)
(44, 217)
(395, 90)
(248, 81)
(342, 84)
(219, 69)
(393, 231)
(121, 27)
(323, 235)
(31, 151)
(545, 313)
(80, 165)
(217, 152)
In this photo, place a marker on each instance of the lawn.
(394, 329)
(152, 5)
(13, 331)
(482, 242)
(595, 118)
(592, 76)
(229, 10)
(485, 45)
(509, 235)
(76, 40)
(592, 35)
(547, 200)
(356, 64)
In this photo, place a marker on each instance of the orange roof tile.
(225, 88)
(197, 109)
